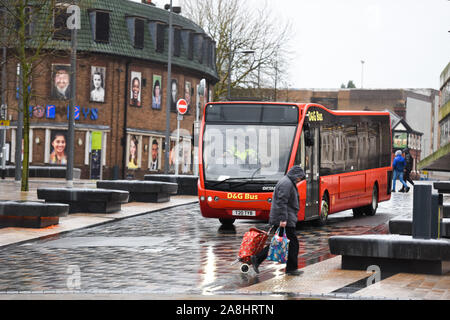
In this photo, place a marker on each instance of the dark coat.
(409, 161)
(285, 201)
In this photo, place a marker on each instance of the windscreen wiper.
(247, 182)
(228, 179)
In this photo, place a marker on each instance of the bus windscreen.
(248, 142)
(252, 113)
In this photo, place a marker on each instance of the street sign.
(182, 106)
(4, 123)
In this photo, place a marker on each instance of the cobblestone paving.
(169, 251)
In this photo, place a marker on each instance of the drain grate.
(361, 284)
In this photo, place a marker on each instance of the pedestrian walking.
(398, 166)
(283, 213)
(408, 167)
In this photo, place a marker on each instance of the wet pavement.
(171, 251)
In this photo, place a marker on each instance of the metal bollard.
(421, 212)
(436, 215)
(427, 213)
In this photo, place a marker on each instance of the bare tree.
(235, 26)
(28, 27)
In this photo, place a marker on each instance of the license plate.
(246, 213)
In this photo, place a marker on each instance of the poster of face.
(98, 84)
(60, 81)
(154, 161)
(173, 95)
(156, 95)
(188, 94)
(58, 143)
(133, 151)
(135, 90)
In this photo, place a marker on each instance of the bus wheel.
(226, 222)
(324, 208)
(371, 209)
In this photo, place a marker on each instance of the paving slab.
(318, 279)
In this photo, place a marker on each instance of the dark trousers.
(292, 262)
(406, 177)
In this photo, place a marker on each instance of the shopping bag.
(279, 246)
(252, 243)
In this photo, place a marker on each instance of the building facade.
(121, 90)
(439, 161)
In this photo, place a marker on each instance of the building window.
(100, 26)
(60, 16)
(176, 42)
(198, 47)
(190, 49)
(28, 21)
(139, 33)
(157, 31)
(160, 33)
(136, 31)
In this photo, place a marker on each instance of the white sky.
(404, 43)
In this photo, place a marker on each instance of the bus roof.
(303, 106)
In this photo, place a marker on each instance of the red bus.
(246, 147)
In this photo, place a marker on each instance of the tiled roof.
(120, 41)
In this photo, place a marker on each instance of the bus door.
(312, 172)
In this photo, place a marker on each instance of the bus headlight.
(202, 198)
(209, 199)
(216, 198)
(269, 200)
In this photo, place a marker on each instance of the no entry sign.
(182, 106)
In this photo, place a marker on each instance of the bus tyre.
(226, 222)
(371, 209)
(324, 209)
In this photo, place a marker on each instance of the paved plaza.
(168, 250)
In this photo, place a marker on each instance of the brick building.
(121, 66)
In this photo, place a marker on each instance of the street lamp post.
(73, 24)
(169, 72)
(230, 60)
(362, 72)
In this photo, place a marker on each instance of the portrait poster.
(155, 154)
(97, 84)
(156, 92)
(135, 88)
(133, 151)
(58, 143)
(60, 81)
(173, 95)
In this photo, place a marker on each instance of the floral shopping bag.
(279, 245)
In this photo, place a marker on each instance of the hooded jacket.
(285, 200)
(399, 163)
